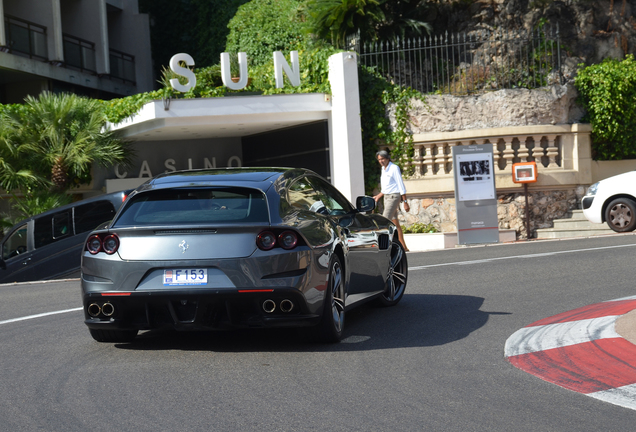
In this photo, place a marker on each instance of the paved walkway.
(590, 350)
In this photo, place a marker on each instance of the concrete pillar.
(102, 47)
(57, 53)
(3, 33)
(345, 133)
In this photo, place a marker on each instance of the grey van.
(49, 245)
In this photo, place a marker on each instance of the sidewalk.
(590, 350)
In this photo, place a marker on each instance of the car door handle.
(26, 261)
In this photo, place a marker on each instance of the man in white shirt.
(393, 191)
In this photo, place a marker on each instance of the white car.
(612, 200)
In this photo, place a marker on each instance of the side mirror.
(346, 221)
(365, 204)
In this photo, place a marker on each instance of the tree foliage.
(607, 91)
(335, 20)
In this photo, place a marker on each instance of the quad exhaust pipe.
(94, 309)
(286, 306)
(269, 306)
(107, 309)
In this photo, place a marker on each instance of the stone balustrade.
(564, 164)
(562, 154)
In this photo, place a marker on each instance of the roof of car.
(260, 178)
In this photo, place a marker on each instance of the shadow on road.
(419, 320)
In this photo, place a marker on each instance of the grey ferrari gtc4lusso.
(238, 248)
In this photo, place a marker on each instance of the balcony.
(122, 66)
(79, 54)
(25, 38)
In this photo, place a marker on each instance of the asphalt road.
(435, 362)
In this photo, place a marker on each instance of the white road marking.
(481, 261)
(545, 337)
(622, 396)
(40, 315)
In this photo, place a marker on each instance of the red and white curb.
(580, 351)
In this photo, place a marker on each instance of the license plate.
(185, 277)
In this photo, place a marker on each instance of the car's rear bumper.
(197, 309)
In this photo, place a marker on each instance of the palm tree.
(15, 173)
(336, 19)
(371, 19)
(68, 135)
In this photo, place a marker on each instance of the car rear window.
(194, 206)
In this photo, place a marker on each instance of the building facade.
(78, 46)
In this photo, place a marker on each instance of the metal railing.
(467, 63)
(25, 38)
(122, 66)
(79, 54)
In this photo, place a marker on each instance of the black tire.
(332, 323)
(620, 215)
(113, 335)
(397, 276)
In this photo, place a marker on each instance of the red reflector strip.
(256, 291)
(115, 294)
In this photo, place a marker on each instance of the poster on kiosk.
(475, 194)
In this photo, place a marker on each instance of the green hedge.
(607, 91)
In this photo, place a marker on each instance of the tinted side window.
(15, 244)
(43, 231)
(48, 229)
(61, 225)
(90, 216)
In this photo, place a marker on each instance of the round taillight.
(94, 244)
(266, 240)
(111, 244)
(288, 240)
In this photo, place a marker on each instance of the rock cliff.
(590, 30)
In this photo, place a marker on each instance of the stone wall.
(502, 108)
(544, 207)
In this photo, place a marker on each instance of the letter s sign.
(182, 71)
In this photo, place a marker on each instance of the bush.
(608, 91)
(261, 27)
(418, 228)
